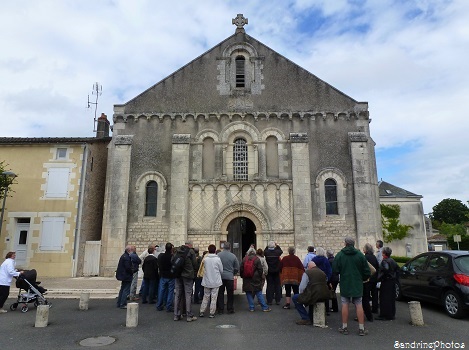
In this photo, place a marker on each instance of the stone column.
(114, 232)
(365, 188)
(262, 161)
(179, 203)
(302, 211)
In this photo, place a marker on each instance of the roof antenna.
(98, 91)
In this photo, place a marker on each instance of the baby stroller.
(33, 292)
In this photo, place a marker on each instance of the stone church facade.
(240, 145)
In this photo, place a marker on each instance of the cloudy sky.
(406, 58)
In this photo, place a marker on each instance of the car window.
(418, 264)
(463, 263)
(438, 262)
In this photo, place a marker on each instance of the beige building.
(45, 220)
(411, 214)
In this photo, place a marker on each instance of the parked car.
(439, 277)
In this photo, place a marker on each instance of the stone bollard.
(319, 315)
(132, 315)
(42, 316)
(416, 317)
(84, 301)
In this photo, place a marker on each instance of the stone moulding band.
(311, 115)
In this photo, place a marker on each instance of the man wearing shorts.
(352, 266)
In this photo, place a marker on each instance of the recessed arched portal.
(241, 234)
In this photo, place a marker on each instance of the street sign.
(457, 238)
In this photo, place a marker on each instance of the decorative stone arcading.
(256, 115)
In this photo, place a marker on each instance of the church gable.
(241, 74)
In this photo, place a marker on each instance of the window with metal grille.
(240, 72)
(151, 198)
(240, 160)
(331, 197)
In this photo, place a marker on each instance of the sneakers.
(286, 306)
(191, 318)
(344, 331)
(267, 310)
(252, 310)
(3, 311)
(211, 316)
(177, 318)
(362, 332)
(201, 314)
(303, 322)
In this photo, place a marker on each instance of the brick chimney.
(103, 127)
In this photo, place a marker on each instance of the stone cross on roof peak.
(240, 21)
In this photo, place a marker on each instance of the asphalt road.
(243, 330)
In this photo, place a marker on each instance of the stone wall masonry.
(141, 234)
(330, 234)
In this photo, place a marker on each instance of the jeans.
(148, 293)
(260, 297)
(133, 286)
(183, 293)
(229, 285)
(123, 293)
(198, 290)
(305, 315)
(165, 293)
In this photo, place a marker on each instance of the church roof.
(388, 190)
(50, 140)
(198, 85)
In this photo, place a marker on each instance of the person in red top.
(291, 271)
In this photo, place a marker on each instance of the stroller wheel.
(13, 306)
(36, 303)
(24, 308)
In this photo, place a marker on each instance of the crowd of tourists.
(178, 278)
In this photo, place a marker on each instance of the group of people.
(306, 282)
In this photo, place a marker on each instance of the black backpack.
(178, 261)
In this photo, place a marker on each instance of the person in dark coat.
(274, 289)
(150, 276)
(167, 281)
(387, 275)
(369, 285)
(124, 273)
(252, 286)
(333, 281)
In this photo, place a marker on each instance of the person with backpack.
(251, 271)
(183, 267)
(166, 284)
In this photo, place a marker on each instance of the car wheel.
(399, 295)
(453, 304)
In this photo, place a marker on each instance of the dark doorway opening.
(241, 234)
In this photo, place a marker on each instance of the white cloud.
(406, 58)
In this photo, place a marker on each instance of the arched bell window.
(240, 71)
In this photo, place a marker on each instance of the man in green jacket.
(352, 266)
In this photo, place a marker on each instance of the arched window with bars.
(151, 196)
(240, 160)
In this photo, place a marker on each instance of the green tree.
(450, 211)
(392, 228)
(450, 230)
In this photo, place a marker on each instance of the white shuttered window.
(57, 182)
(52, 235)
